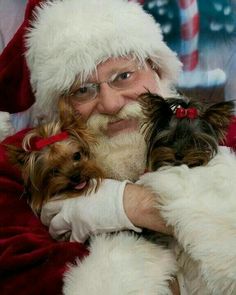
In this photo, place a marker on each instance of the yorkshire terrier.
(183, 131)
(56, 161)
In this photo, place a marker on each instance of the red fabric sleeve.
(15, 90)
(231, 136)
(30, 261)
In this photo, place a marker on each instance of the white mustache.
(99, 122)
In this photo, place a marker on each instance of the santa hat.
(16, 94)
(69, 38)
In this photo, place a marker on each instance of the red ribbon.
(190, 113)
(38, 142)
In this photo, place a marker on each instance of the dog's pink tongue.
(81, 185)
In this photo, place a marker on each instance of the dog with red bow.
(194, 179)
(56, 161)
(183, 131)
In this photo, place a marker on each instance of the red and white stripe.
(189, 18)
(139, 1)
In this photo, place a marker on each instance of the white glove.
(83, 216)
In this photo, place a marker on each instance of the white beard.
(122, 156)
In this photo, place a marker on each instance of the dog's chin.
(122, 156)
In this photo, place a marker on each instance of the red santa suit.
(31, 262)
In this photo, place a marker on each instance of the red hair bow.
(38, 142)
(190, 113)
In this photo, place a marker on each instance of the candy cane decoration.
(139, 1)
(189, 52)
(189, 18)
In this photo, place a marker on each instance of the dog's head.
(55, 159)
(182, 131)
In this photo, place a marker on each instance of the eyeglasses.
(125, 79)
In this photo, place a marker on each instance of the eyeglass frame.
(96, 86)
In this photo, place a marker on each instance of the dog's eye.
(77, 156)
(54, 171)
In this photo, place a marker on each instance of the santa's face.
(111, 92)
(108, 101)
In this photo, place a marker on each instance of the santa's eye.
(77, 156)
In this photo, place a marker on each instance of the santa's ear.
(17, 155)
(219, 116)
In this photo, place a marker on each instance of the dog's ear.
(219, 116)
(17, 155)
(156, 109)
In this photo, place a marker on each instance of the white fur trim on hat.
(69, 38)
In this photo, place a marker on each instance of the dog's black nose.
(179, 156)
(75, 178)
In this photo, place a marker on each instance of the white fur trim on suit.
(69, 38)
(12, 123)
(201, 205)
(6, 127)
(121, 264)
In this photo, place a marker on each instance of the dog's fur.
(174, 141)
(62, 169)
(178, 148)
(154, 262)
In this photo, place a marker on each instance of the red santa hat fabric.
(15, 90)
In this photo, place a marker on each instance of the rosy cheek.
(153, 88)
(149, 83)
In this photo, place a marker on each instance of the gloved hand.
(83, 216)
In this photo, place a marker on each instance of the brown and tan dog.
(55, 159)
